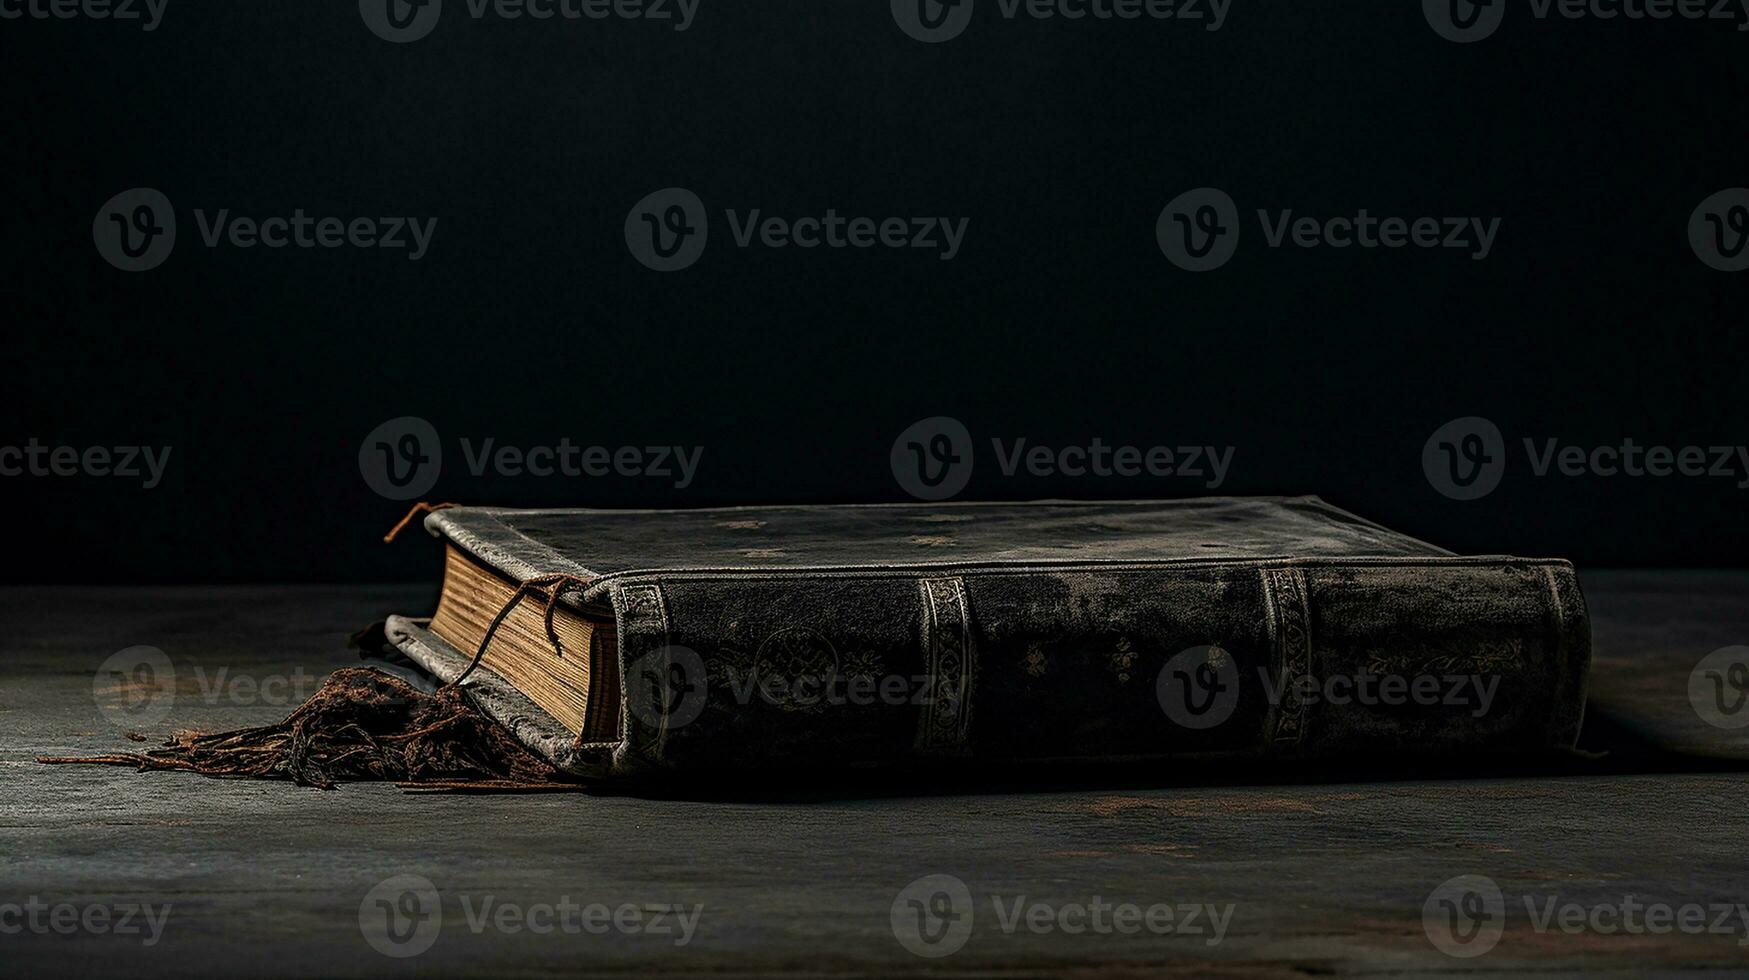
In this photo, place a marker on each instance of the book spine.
(1102, 663)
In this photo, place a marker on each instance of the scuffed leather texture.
(1067, 662)
(594, 543)
(1057, 619)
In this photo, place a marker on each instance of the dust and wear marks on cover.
(1122, 659)
(643, 622)
(609, 543)
(1095, 599)
(1290, 634)
(1469, 656)
(1097, 603)
(951, 657)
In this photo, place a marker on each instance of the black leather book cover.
(841, 636)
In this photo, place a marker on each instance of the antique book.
(627, 642)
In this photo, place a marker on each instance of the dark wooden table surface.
(1311, 872)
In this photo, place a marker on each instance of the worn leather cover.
(841, 636)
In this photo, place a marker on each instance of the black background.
(1060, 320)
